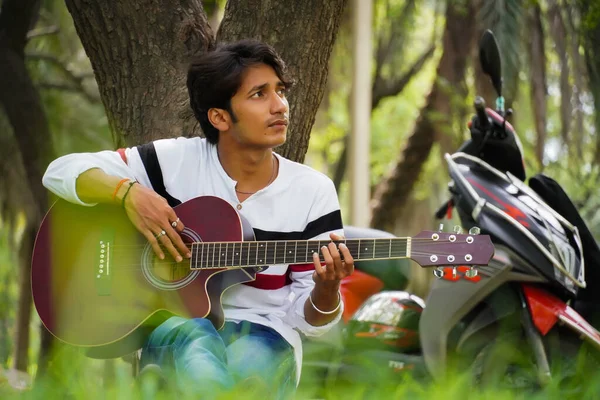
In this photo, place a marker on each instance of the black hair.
(214, 78)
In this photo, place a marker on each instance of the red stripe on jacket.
(122, 154)
(274, 282)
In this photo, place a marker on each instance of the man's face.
(261, 109)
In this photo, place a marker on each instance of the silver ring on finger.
(174, 223)
(162, 233)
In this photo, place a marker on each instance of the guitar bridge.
(103, 265)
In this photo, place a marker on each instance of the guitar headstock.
(433, 249)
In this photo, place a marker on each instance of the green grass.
(72, 376)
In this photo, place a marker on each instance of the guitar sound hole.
(168, 270)
(168, 274)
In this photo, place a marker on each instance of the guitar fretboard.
(254, 254)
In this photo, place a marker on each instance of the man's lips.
(279, 122)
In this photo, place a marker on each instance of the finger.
(154, 243)
(335, 255)
(176, 240)
(348, 259)
(329, 267)
(174, 218)
(319, 270)
(167, 243)
(336, 237)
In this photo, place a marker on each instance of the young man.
(238, 95)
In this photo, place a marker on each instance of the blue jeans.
(215, 361)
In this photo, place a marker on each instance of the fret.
(199, 255)
(204, 255)
(301, 251)
(295, 250)
(399, 247)
(353, 247)
(220, 253)
(225, 254)
(194, 255)
(214, 246)
(263, 253)
(269, 256)
(381, 248)
(390, 252)
(237, 258)
(366, 248)
(246, 248)
(253, 250)
(312, 247)
(209, 246)
(285, 253)
(358, 252)
(275, 254)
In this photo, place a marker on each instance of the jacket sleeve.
(324, 218)
(61, 175)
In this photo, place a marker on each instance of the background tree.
(89, 107)
(24, 154)
(435, 121)
(143, 86)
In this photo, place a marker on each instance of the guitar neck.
(251, 254)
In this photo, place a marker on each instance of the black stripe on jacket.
(325, 223)
(150, 160)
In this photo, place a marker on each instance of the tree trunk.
(590, 10)
(23, 107)
(537, 68)
(140, 52)
(579, 75)
(303, 32)
(483, 83)
(559, 34)
(435, 120)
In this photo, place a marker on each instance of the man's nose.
(279, 105)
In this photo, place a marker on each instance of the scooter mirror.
(491, 62)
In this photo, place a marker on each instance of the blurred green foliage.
(59, 66)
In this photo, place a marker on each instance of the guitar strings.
(187, 266)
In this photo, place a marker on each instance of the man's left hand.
(336, 267)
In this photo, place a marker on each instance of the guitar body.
(97, 284)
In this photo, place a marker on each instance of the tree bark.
(391, 87)
(579, 75)
(537, 68)
(23, 107)
(483, 83)
(303, 32)
(435, 120)
(140, 52)
(590, 12)
(559, 34)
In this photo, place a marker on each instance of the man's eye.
(257, 94)
(282, 91)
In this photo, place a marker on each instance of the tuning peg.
(472, 272)
(438, 272)
(441, 228)
(474, 231)
(457, 229)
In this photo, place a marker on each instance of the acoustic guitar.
(97, 284)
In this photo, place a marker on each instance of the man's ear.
(220, 119)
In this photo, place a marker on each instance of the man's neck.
(253, 169)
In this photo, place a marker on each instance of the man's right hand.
(151, 214)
